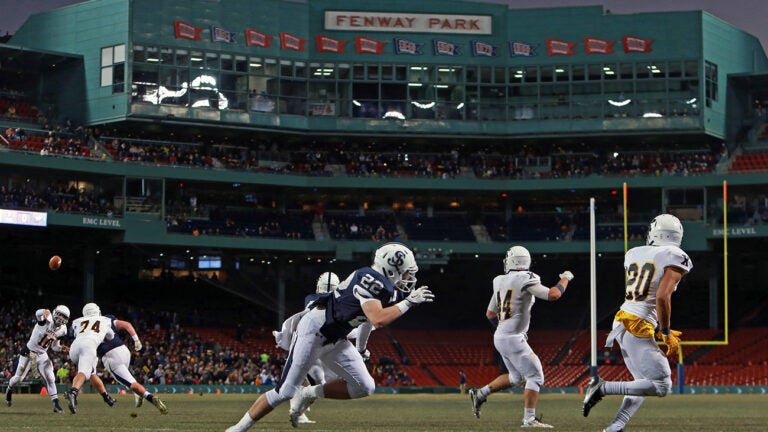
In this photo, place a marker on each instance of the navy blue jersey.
(109, 345)
(343, 310)
(310, 298)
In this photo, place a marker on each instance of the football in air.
(54, 263)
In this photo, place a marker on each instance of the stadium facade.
(432, 76)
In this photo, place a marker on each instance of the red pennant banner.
(369, 46)
(257, 38)
(636, 44)
(186, 31)
(291, 42)
(558, 47)
(329, 44)
(598, 46)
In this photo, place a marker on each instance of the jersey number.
(46, 340)
(505, 307)
(95, 327)
(639, 281)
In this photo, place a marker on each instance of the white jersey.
(513, 297)
(94, 328)
(645, 266)
(45, 333)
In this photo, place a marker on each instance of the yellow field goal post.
(593, 271)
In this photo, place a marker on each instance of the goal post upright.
(592, 291)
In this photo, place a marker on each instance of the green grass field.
(422, 412)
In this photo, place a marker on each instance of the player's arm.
(552, 293)
(128, 327)
(491, 311)
(380, 316)
(361, 342)
(669, 280)
(41, 315)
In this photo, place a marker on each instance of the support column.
(714, 298)
(279, 271)
(89, 267)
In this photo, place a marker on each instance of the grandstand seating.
(750, 161)
(446, 227)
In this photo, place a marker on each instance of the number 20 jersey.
(344, 309)
(644, 267)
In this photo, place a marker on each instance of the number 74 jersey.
(645, 266)
(95, 328)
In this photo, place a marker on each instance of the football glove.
(566, 275)
(420, 295)
(136, 343)
(366, 355)
(672, 341)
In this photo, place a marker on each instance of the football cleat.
(56, 407)
(304, 401)
(71, 401)
(9, 396)
(160, 405)
(593, 394)
(476, 402)
(109, 400)
(138, 400)
(535, 423)
(304, 419)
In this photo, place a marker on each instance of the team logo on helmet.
(397, 260)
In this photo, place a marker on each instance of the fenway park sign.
(408, 22)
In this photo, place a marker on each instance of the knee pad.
(534, 382)
(663, 387)
(364, 388)
(274, 398)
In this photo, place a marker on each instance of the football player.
(514, 294)
(117, 358)
(90, 330)
(652, 274)
(326, 282)
(50, 327)
(367, 295)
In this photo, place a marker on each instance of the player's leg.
(650, 370)
(529, 365)
(304, 347)
(648, 365)
(505, 345)
(316, 375)
(22, 369)
(354, 379)
(101, 389)
(45, 367)
(116, 362)
(83, 353)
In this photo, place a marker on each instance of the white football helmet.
(327, 282)
(397, 263)
(665, 230)
(91, 309)
(518, 259)
(61, 315)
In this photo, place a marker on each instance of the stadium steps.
(481, 233)
(320, 231)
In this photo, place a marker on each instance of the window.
(710, 76)
(209, 262)
(113, 68)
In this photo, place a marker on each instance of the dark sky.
(749, 15)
